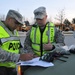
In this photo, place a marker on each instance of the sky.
(26, 7)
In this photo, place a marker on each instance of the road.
(69, 39)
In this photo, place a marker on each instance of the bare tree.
(60, 17)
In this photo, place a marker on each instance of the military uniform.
(42, 33)
(58, 38)
(9, 45)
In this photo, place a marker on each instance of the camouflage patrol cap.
(16, 15)
(40, 12)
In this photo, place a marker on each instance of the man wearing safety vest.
(43, 37)
(10, 46)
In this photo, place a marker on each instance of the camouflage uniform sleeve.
(8, 57)
(27, 43)
(59, 38)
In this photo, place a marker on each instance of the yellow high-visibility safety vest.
(48, 35)
(10, 42)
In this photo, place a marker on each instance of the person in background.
(43, 37)
(10, 46)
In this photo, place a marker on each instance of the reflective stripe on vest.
(10, 42)
(48, 35)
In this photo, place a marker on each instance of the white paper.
(36, 62)
(65, 47)
(69, 47)
(72, 47)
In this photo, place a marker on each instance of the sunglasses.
(38, 19)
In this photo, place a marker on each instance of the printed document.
(36, 62)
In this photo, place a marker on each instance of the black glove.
(48, 57)
(72, 51)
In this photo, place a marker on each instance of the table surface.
(59, 68)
